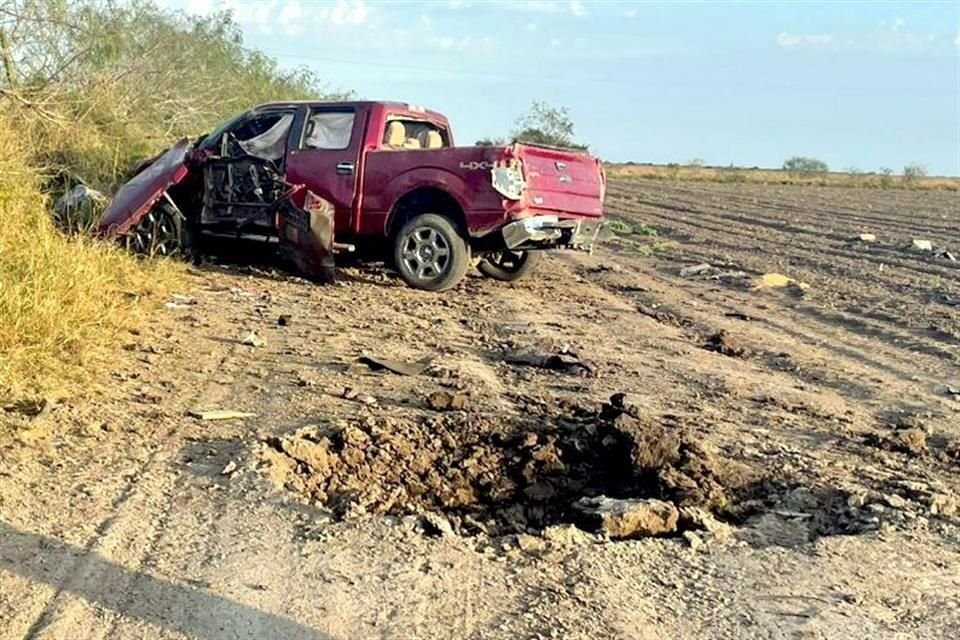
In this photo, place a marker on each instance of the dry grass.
(775, 176)
(63, 300)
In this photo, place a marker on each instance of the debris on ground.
(628, 518)
(696, 270)
(283, 320)
(446, 401)
(253, 340)
(229, 469)
(220, 414)
(401, 367)
(178, 301)
(867, 237)
(921, 245)
(565, 362)
(725, 344)
(943, 253)
(780, 281)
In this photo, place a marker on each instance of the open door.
(243, 183)
(306, 236)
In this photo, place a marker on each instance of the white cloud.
(555, 42)
(576, 8)
(892, 38)
(630, 13)
(466, 43)
(797, 40)
(532, 26)
(956, 40)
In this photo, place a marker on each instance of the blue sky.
(856, 84)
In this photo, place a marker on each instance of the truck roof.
(399, 106)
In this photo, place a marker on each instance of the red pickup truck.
(324, 177)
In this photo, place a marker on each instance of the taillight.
(506, 177)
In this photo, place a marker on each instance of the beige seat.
(434, 141)
(396, 135)
(412, 143)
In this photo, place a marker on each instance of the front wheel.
(508, 266)
(159, 233)
(430, 253)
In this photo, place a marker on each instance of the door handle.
(345, 168)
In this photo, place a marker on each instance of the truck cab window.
(265, 137)
(328, 130)
(414, 134)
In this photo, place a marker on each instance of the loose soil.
(808, 435)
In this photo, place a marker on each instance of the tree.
(545, 124)
(913, 172)
(804, 165)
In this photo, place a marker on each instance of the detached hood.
(135, 198)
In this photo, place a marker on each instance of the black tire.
(159, 233)
(430, 253)
(508, 266)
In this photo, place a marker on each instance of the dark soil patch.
(516, 475)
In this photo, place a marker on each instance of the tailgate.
(561, 181)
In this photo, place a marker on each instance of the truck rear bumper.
(545, 232)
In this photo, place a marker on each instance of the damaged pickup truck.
(318, 178)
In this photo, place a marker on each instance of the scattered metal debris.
(566, 362)
(220, 414)
(377, 363)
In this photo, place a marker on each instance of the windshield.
(212, 139)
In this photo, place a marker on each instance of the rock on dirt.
(909, 441)
(725, 344)
(921, 245)
(696, 270)
(436, 524)
(628, 518)
(446, 401)
(867, 237)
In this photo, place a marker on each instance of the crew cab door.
(324, 157)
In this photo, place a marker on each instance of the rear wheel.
(159, 233)
(508, 266)
(430, 253)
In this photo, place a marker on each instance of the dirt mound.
(500, 475)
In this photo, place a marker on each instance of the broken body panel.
(350, 169)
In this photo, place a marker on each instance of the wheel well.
(425, 200)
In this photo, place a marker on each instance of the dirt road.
(124, 517)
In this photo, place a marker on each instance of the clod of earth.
(446, 401)
(725, 344)
(696, 270)
(628, 518)
(909, 441)
(283, 319)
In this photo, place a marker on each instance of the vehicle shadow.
(178, 608)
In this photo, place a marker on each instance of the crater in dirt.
(501, 475)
